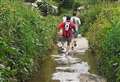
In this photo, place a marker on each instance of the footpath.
(71, 68)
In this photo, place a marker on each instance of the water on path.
(71, 68)
(76, 67)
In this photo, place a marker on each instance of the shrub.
(88, 16)
(24, 36)
(111, 56)
(104, 35)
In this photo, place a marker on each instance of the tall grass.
(103, 35)
(24, 36)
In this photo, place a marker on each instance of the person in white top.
(76, 20)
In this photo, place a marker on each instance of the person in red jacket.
(66, 30)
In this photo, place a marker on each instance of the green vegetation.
(104, 38)
(24, 36)
(110, 58)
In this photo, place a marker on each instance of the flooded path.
(79, 66)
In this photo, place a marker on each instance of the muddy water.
(47, 67)
(76, 67)
(90, 58)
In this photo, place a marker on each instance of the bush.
(111, 56)
(104, 39)
(24, 36)
(97, 32)
(88, 16)
(66, 3)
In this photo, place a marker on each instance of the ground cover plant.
(24, 36)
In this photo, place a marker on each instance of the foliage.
(93, 2)
(103, 35)
(111, 55)
(88, 16)
(24, 36)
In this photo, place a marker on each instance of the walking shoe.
(79, 36)
(75, 44)
(72, 48)
(67, 53)
(61, 49)
(64, 50)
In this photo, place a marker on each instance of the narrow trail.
(72, 68)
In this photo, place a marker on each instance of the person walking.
(76, 20)
(66, 32)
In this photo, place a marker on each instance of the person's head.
(74, 13)
(64, 15)
(68, 18)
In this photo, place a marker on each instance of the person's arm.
(79, 21)
(60, 29)
(64, 19)
(73, 27)
(71, 19)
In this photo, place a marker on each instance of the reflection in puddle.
(71, 68)
(71, 72)
(74, 65)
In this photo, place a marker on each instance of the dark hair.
(68, 17)
(74, 13)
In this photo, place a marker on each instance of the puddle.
(77, 67)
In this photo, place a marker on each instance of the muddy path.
(79, 66)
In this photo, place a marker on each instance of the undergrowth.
(24, 35)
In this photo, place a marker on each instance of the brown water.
(90, 58)
(47, 68)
